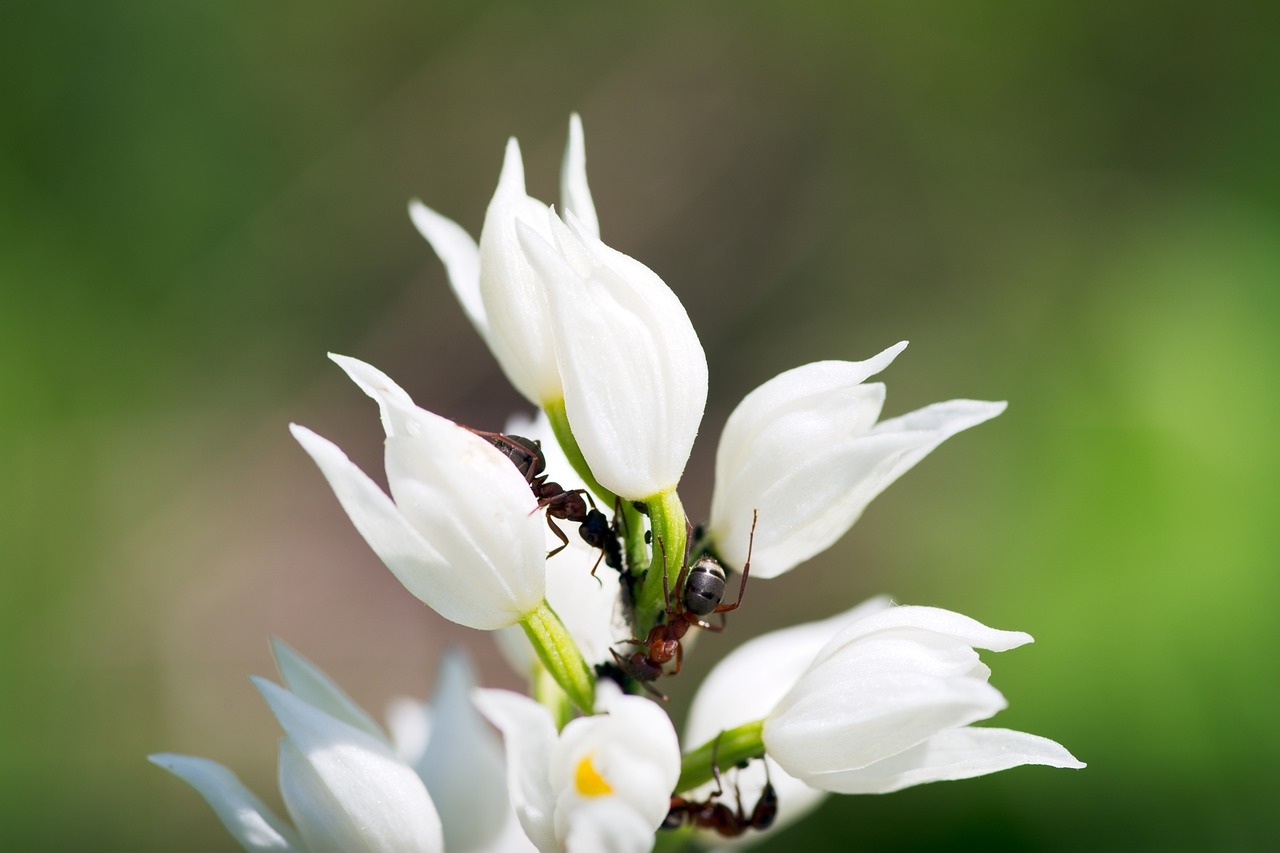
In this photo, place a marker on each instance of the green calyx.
(560, 656)
(560, 426)
(728, 749)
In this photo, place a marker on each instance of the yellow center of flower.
(588, 780)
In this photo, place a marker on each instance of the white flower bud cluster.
(869, 701)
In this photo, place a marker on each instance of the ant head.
(704, 586)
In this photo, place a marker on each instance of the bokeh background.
(1072, 206)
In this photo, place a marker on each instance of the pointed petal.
(575, 195)
(633, 371)
(409, 556)
(529, 734)
(309, 683)
(956, 754)
(925, 620)
(463, 765)
(345, 789)
(389, 396)
(514, 303)
(461, 257)
(246, 817)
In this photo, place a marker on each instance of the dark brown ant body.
(559, 502)
(711, 814)
(699, 592)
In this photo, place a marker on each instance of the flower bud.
(633, 371)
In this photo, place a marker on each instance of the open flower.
(341, 782)
(462, 533)
(887, 702)
(805, 451)
(634, 373)
(498, 290)
(603, 783)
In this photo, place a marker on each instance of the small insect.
(710, 814)
(559, 502)
(699, 592)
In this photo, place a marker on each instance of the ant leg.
(746, 570)
(766, 808)
(715, 766)
(564, 540)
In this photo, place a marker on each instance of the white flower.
(342, 784)
(633, 370)
(459, 758)
(805, 451)
(463, 533)
(499, 292)
(604, 783)
(888, 701)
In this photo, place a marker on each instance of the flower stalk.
(560, 655)
(727, 749)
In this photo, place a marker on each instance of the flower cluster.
(872, 700)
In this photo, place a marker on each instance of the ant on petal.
(699, 592)
(710, 814)
(559, 502)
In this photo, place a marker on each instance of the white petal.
(955, 754)
(514, 303)
(925, 620)
(463, 766)
(309, 683)
(379, 387)
(634, 373)
(246, 817)
(607, 826)
(575, 195)
(413, 560)
(345, 789)
(752, 679)
(461, 257)
(530, 735)
(409, 724)
(874, 698)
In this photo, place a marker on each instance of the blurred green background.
(1072, 206)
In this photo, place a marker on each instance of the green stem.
(560, 426)
(670, 532)
(560, 655)
(730, 748)
(548, 692)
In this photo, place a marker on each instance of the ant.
(699, 591)
(710, 814)
(559, 502)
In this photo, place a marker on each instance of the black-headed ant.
(699, 591)
(710, 814)
(559, 502)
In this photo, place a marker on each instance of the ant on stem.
(559, 502)
(710, 814)
(699, 592)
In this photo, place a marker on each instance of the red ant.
(565, 504)
(710, 814)
(700, 589)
